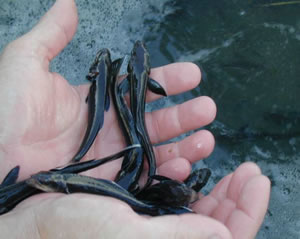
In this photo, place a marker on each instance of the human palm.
(43, 120)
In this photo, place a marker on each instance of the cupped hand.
(43, 120)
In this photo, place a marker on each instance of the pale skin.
(42, 122)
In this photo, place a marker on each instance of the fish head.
(139, 60)
(47, 182)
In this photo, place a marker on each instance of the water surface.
(250, 59)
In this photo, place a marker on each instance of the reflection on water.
(250, 56)
(250, 61)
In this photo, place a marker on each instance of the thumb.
(54, 31)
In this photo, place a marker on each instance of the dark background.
(249, 55)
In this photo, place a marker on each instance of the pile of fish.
(166, 196)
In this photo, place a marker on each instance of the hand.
(43, 120)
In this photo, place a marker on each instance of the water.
(250, 59)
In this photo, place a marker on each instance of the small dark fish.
(138, 76)
(13, 194)
(168, 192)
(171, 192)
(133, 162)
(98, 100)
(89, 164)
(11, 177)
(74, 183)
(198, 179)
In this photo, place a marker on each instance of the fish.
(13, 194)
(98, 100)
(133, 162)
(168, 192)
(74, 183)
(138, 76)
(171, 192)
(165, 197)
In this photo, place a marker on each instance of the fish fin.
(107, 102)
(92, 88)
(174, 210)
(89, 77)
(115, 69)
(79, 167)
(87, 99)
(124, 86)
(155, 87)
(116, 66)
(11, 177)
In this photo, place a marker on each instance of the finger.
(209, 203)
(241, 176)
(251, 208)
(168, 123)
(220, 190)
(194, 147)
(175, 78)
(177, 169)
(256, 190)
(227, 205)
(187, 226)
(53, 32)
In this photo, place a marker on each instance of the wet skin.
(98, 100)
